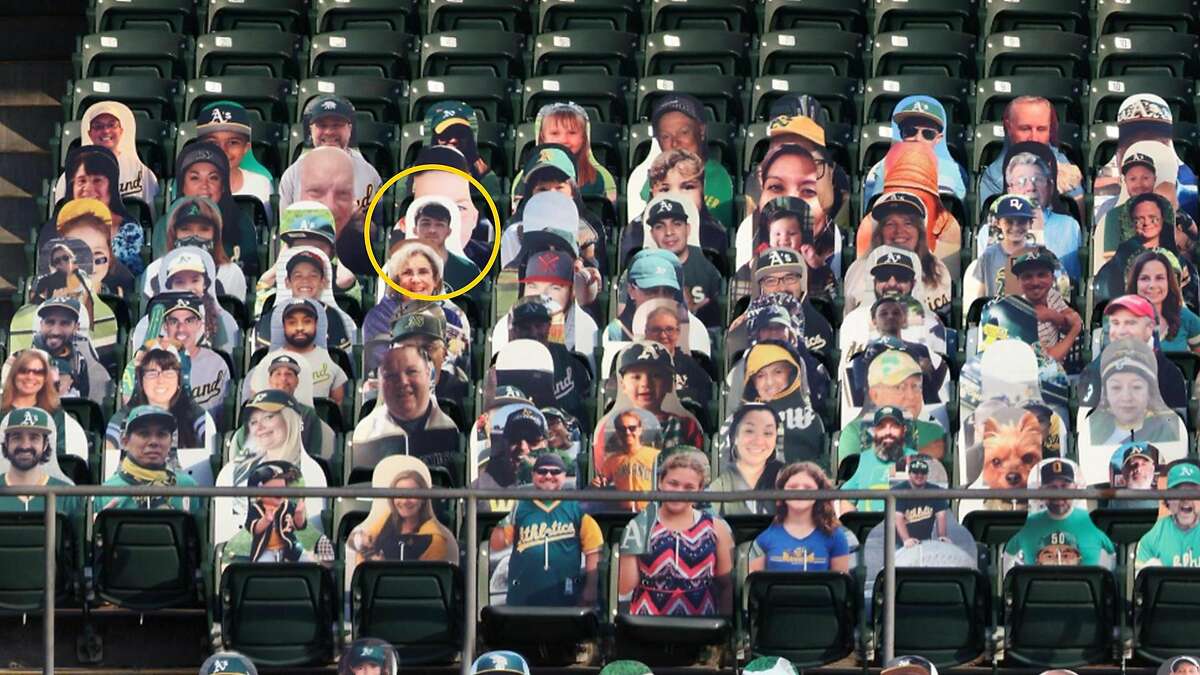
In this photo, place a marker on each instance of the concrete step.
(27, 129)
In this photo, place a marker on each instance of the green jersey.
(872, 474)
(1168, 546)
(1076, 530)
(191, 504)
(35, 503)
(549, 539)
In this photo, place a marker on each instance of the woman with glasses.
(923, 120)
(1031, 170)
(160, 378)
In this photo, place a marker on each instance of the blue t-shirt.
(786, 553)
(1187, 335)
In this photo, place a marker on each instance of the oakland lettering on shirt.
(542, 533)
(918, 514)
(321, 374)
(205, 392)
(635, 469)
(799, 556)
(132, 186)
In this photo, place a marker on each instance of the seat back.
(265, 53)
(824, 603)
(22, 554)
(134, 52)
(1166, 612)
(147, 559)
(1060, 617)
(416, 606)
(278, 614)
(362, 52)
(946, 613)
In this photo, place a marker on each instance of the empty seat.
(148, 97)
(811, 51)
(710, 52)
(1069, 16)
(735, 16)
(943, 614)
(614, 15)
(339, 15)
(23, 555)
(723, 97)
(881, 94)
(1146, 53)
(147, 560)
(606, 99)
(786, 14)
(993, 94)
(365, 53)
(278, 614)
(501, 15)
(585, 51)
(668, 640)
(267, 98)
(924, 51)
(836, 94)
(473, 52)
(415, 606)
(285, 16)
(1117, 16)
(380, 98)
(553, 633)
(1166, 612)
(1060, 617)
(492, 98)
(950, 15)
(134, 52)
(1035, 52)
(1107, 94)
(824, 603)
(266, 53)
(171, 16)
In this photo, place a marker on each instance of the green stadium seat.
(667, 640)
(278, 614)
(553, 634)
(1124, 526)
(811, 51)
(147, 560)
(606, 99)
(1035, 52)
(836, 94)
(492, 98)
(881, 94)
(473, 52)
(493, 140)
(1166, 612)
(1060, 617)
(134, 52)
(147, 97)
(1068, 16)
(824, 603)
(171, 16)
(613, 15)
(285, 16)
(723, 97)
(266, 53)
(735, 16)
(1117, 16)
(415, 606)
(22, 552)
(943, 614)
(860, 523)
(588, 51)
(1146, 53)
(993, 94)
(694, 52)
(500, 15)
(380, 98)
(924, 51)
(365, 53)
(339, 15)
(1107, 93)
(154, 143)
(957, 16)
(266, 98)
(849, 16)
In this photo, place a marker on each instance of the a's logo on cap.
(329, 105)
(28, 420)
(1186, 470)
(220, 665)
(498, 662)
(890, 258)
(220, 117)
(260, 397)
(778, 258)
(545, 155)
(919, 106)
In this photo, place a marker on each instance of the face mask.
(198, 242)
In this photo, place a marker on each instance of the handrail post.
(889, 578)
(51, 575)
(470, 604)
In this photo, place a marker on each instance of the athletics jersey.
(920, 515)
(786, 553)
(1094, 547)
(209, 380)
(675, 569)
(1168, 546)
(545, 568)
(35, 503)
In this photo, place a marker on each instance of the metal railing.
(472, 496)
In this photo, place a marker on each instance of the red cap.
(553, 266)
(1136, 304)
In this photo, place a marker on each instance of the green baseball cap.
(888, 412)
(1183, 473)
(271, 400)
(500, 662)
(419, 323)
(306, 219)
(28, 418)
(144, 414)
(1038, 256)
(918, 109)
(770, 665)
(626, 667)
(228, 663)
(550, 158)
(652, 268)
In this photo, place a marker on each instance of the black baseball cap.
(684, 103)
(1057, 470)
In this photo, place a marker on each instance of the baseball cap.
(78, 208)
(526, 418)
(1175, 662)
(327, 105)
(500, 662)
(1137, 159)
(663, 208)
(144, 414)
(1038, 256)
(299, 304)
(1144, 108)
(909, 665)
(194, 208)
(68, 303)
(308, 257)
(222, 116)
(358, 654)
(770, 665)
(419, 323)
(649, 354)
(1135, 304)
(1013, 206)
(1057, 470)
(654, 268)
(445, 114)
(799, 125)
(1132, 449)
(1125, 357)
(892, 367)
(1058, 538)
(551, 266)
(284, 361)
(918, 464)
(778, 260)
(506, 393)
(28, 418)
(271, 400)
(556, 413)
(228, 663)
(1183, 473)
(889, 412)
(550, 157)
(548, 459)
(891, 260)
(446, 155)
(530, 309)
(897, 201)
(684, 103)
(186, 261)
(185, 301)
(306, 219)
(918, 109)
(765, 317)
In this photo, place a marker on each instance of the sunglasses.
(549, 472)
(924, 132)
(628, 429)
(33, 371)
(60, 259)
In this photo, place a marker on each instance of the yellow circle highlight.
(404, 174)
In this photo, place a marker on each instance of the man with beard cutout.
(28, 449)
(1059, 517)
(305, 278)
(1175, 541)
(300, 322)
(70, 353)
(875, 469)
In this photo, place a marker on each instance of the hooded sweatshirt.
(137, 180)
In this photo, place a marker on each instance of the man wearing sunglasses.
(512, 452)
(548, 538)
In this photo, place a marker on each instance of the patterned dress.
(676, 571)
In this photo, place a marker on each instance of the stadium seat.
(734, 16)
(811, 51)
(668, 640)
(1068, 16)
(611, 15)
(147, 97)
(266, 98)
(146, 560)
(414, 606)
(279, 614)
(22, 553)
(1166, 609)
(723, 97)
(1060, 617)
(993, 94)
(1107, 93)
(824, 603)
(994, 528)
(1035, 52)
(860, 523)
(366, 53)
(1117, 16)
(788, 14)
(492, 139)
(499, 15)
(924, 51)
(473, 52)
(1124, 526)
(285, 16)
(266, 53)
(1146, 53)
(554, 634)
(339, 15)
(943, 614)
(492, 98)
(956, 16)
(836, 94)
(606, 99)
(708, 52)
(171, 16)
(134, 52)
(382, 99)
(881, 94)
(585, 51)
